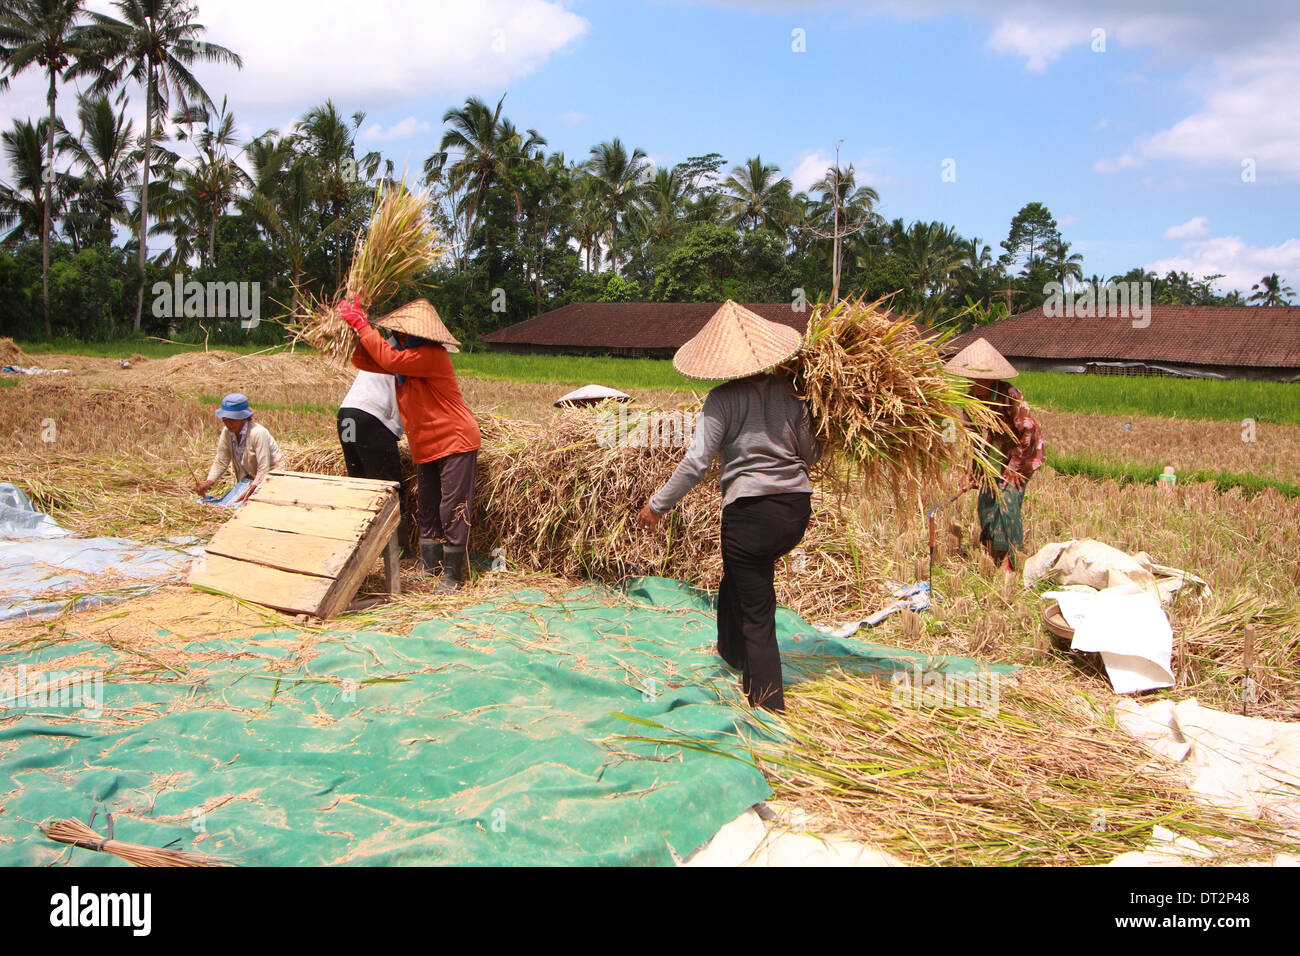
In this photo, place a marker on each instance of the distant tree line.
(527, 229)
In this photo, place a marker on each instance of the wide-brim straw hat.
(736, 343)
(982, 361)
(421, 319)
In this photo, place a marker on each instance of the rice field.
(129, 443)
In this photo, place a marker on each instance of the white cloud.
(1198, 227)
(574, 117)
(1068, 221)
(811, 168)
(1241, 264)
(297, 53)
(405, 129)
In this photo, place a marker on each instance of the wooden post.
(392, 567)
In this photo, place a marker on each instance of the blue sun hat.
(234, 405)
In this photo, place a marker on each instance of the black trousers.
(370, 451)
(755, 533)
(447, 499)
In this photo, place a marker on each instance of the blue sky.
(1136, 149)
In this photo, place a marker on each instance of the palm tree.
(1270, 291)
(104, 153)
(1061, 263)
(588, 220)
(490, 152)
(665, 205)
(844, 210)
(929, 251)
(45, 34)
(328, 141)
(153, 45)
(620, 180)
(22, 202)
(975, 264)
(757, 196)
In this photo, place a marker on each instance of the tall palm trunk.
(144, 196)
(47, 174)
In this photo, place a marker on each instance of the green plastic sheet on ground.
(492, 737)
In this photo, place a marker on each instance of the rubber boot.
(431, 556)
(453, 572)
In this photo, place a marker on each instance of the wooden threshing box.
(304, 543)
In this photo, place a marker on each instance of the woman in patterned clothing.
(1019, 449)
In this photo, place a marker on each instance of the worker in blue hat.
(243, 445)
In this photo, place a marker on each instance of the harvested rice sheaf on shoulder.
(400, 243)
(881, 403)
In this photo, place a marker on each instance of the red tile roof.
(630, 325)
(1246, 336)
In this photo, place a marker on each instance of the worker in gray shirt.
(762, 434)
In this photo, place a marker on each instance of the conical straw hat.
(421, 319)
(735, 343)
(981, 360)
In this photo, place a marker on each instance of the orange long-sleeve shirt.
(438, 423)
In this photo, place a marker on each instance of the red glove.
(353, 314)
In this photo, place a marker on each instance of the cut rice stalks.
(1037, 775)
(882, 404)
(400, 243)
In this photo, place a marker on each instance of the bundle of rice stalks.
(563, 499)
(880, 400)
(1213, 656)
(76, 833)
(11, 354)
(1035, 775)
(399, 244)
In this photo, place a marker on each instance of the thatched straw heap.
(563, 498)
(881, 402)
(400, 243)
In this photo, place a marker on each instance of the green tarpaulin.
(489, 738)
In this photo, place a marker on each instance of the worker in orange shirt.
(441, 430)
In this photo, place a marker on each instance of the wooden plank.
(283, 590)
(305, 553)
(345, 524)
(362, 560)
(317, 494)
(373, 484)
(286, 485)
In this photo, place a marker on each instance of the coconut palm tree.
(845, 209)
(757, 196)
(621, 182)
(930, 251)
(490, 151)
(50, 35)
(22, 200)
(1270, 291)
(1061, 263)
(154, 44)
(104, 154)
(665, 206)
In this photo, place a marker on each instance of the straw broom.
(400, 243)
(76, 833)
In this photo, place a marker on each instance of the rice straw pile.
(1036, 777)
(11, 354)
(880, 400)
(558, 499)
(399, 245)
(76, 833)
